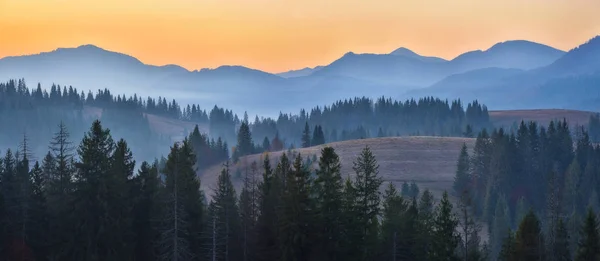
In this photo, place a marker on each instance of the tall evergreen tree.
(146, 212)
(296, 216)
(182, 222)
(225, 214)
(367, 199)
(529, 239)
(249, 211)
(269, 203)
(446, 238)
(559, 250)
(306, 136)
(91, 213)
(328, 191)
(508, 249)
(588, 248)
(462, 178)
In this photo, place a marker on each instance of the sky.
(279, 35)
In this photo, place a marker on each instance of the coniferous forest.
(529, 193)
(36, 112)
(536, 190)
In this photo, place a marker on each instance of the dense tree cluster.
(549, 170)
(363, 118)
(89, 203)
(35, 113)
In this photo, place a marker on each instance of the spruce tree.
(529, 239)
(508, 249)
(38, 229)
(226, 217)
(445, 236)
(249, 213)
(90, 200)
(146, 212)
(393, 212)
(328, 191)
(367, 199)
(462, 178)
(352, 232)
(588, 248)
(560, 247)
(296, 215)
(306, 136)
(500, 227)
(269, 203)
(181, 226)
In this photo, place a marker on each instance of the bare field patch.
(428, 161)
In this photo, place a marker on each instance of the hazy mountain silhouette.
(299, 73)
(404, 68)
(402, 51)
(517, 54)
(495, 69)
(86, 67)
(571, 81)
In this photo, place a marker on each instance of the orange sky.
(278, 35)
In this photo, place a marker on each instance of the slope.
(429, 161)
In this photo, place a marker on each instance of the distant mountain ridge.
(570, 82)
(402, 51)
(504, 67)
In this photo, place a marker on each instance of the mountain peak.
(521, 44)
(404, 52)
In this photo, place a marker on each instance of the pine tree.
(445, 236)
(560, 248)
(529, 239)
(589, 240)
(508, 250)
(462, 178)
(120, 203)
(90, 200)
(352, 232)
(249, 213)
(269, 203)
(147, 210)
(469, 229)
(244, 142)
(328, 191)
(393, 210)
(296, 216)
(501, 225)
(367, 199)
(182, 222)
(226, 215)
(306, 136)
(38, 230)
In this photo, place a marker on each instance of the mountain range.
(522, 73)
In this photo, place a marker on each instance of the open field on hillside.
(175, 129)
(429, 161)
(542, 116)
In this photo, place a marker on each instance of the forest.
(36, 112)
(88, 202)
(547, 171)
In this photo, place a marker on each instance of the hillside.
(175, 129)
(429, 161)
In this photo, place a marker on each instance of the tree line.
(88, 202)
(548, 170)
(343, 120)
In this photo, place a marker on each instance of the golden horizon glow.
(281, 35)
